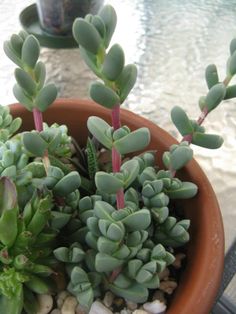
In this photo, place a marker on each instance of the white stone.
(140, 312)
(61, 298)
(98, 308)
(45, 303)
(155, 307)
(108, 299)
(69, 305)
(131, 305)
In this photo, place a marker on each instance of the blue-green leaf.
(211, 75)
(108, 15)
(30, 51)
(181, 121)
(107, 183)
(87, 35)
(104, 95)
(113, 63)
(100, 130)
(211, 141)
(34, 143)
(134, 141)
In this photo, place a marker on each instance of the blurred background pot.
(56, 16)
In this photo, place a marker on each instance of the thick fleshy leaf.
(232, 64)
(211, 75)
(67, 184)
(108, 15)
(90, 59)
(98, 24)
(11, 53)
(130, 171)
(30, 51)
(126, 81)
(211, 141)
(16, 42)
(99, 129)
(39, 285)
(215, 95)
(134, 141)
(180, 157)
(122, 281)
(103, 95)
(40, 74)
(113, 63)
(232, 46)
(69, 255)
(54, 174)
(91, 240)
(87, 35)
(8, 194)
(13, 305)
(115, 232)
(187, 190)
(59, 219)
(139, 220)
(107, 246)
(25, 81)
(108, 183)
(34, 143)
(160, 214)
(136, 292)
(153, 283)
(103, 210)
(230, 92)
(8, 226)
(24, 99)
(106, 263)
(181, 121)
(46, 97)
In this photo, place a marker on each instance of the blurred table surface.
(171, 42)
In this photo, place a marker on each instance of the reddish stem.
(116, 157)
(38, 119)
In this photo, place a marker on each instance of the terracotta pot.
(205, 253)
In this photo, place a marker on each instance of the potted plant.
(105, 217)
(57, 16)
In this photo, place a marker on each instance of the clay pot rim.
(200, 282)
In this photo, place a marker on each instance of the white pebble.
(45, 303)
(69, 305)
(131, 305)
(155, 307)
(108, 299)
(140, 312)
(98, 308)
(61, 298)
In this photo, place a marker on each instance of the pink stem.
(116, 157)
(38, 119)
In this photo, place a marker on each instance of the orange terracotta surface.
(205, 254)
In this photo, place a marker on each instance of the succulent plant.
(112, 227)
